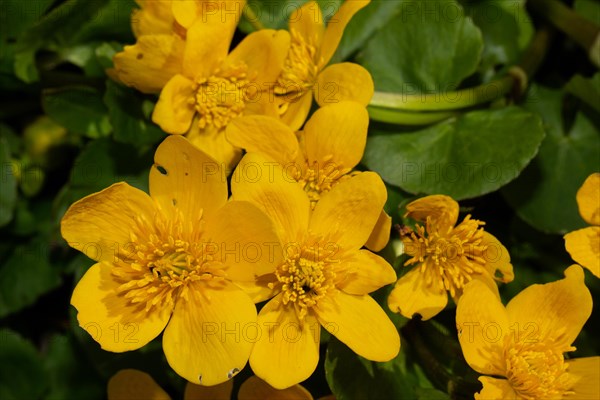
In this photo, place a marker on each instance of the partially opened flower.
(322, 276)
(521, 347)
(318, 158)
(131, 384)
(161, 28)
(214, 87)
(584, 244)
(164, 262)
(306, 74)
(447, 257)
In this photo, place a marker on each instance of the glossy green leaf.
(25, 276)
(587, 89)
(21, 372)
(8, 184)
(544, 194)
(431, 46)
(80, 110)
(465, 157)
(129, 113)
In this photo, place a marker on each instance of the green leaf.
(25, 276)
(21, 373)
(544, 194)
(8, 186)
(466, 157)
(430, 47)
(111, 22)
(274, 14)
(80, 110)
(129, 115)
(71, 375)
(590, 9)
(586, 89)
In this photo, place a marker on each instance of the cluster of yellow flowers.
(294, 225)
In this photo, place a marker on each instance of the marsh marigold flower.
(522, 345)
(165, 262)
(306, 75)
(447, 257)
(322, 276)
(129, 384)
(318, 158)
(584, 244)
(161, 29)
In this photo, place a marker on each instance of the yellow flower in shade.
(320, 157)
(215, 88)
(522, 345)
(168, 261)
(130, 384)
(447, 258)
(322, 277)
(584, 244)
(306, 73)
(161, 28)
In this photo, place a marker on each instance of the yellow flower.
(168, 261)
(322, 277)
(215, 88)
(320, 157)
(129, 384)
(306, 73)
(447, 258)
(161, 28)
(584, 244)
(522, 345)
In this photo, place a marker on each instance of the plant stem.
(583, 31)
(396, 116)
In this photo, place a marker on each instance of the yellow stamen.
(320, 178)
(453, 256)
(300, 68)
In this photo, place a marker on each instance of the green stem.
(583, 31)
(252, 18)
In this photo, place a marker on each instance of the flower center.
(162, 257)
(222, 97)
(305, 276)
(537, 370)
(299, 70)
(317, 179)
(453, 256)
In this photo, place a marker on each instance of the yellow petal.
(350, 210)
(412, 295)
(263, 52)
(363, 272)
(587, 372)
(360, 323)
(584, 247)
(131, 384)
(255, 388)
(213, 142)
(265, 135)
(99, 225)
(496, 389)
(588, 199)
(218, 392)
(245, 240)
(335, 136)
(111, 319)
(482, 323)
(308, 22)
(154, 17)
(265, 184)
(344, 82)
(336, 25)
(297, 109)
(554, 311)
(186, 179)
(380, 235)
(287, 351)
(186, 11)
(206, 340)
(442, 209)
(150, 63)
(497, 259)
(207, 44)
(259, 290)
(173, 111)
